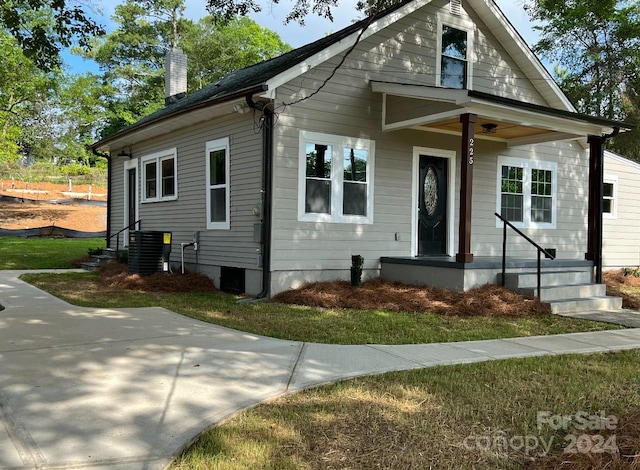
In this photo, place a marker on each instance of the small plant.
(635, 272)
(356, 270)
(94, 251)
(122, 256)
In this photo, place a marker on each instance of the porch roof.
(500, 119)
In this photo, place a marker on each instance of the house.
(621, 212)
(397, 138)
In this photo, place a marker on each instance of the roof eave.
(103, 144)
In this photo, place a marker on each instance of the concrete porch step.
(529, 280)
(585, 304)
(90, 265)
(108, 255)
(570, 291)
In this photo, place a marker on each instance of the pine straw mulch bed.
(627, 441)
(377, 294)
(616, 281)
(115, 276)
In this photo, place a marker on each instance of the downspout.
(267, 176)
(599, 231)
(108, 157)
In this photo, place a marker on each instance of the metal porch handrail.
(117, 234)
(504, 249)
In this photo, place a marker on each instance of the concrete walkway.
(128, 388)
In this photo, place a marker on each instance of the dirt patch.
(26, 213)
(616, 282)
(46, 191)
(115, 277)
(626, 438)
(377, 294)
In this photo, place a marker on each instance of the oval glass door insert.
(431, 191)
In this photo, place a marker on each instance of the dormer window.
(453, 58)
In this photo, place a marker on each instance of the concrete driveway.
(128, 388)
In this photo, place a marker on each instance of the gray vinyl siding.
(569, 237)
(116, 197)
(621, 235)
(187, 214)
(347, 107)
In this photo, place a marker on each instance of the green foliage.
(43, 253)
(50, 172)
(598, 44)
(42, 28)
(628, 271)
(75, 169)
(94, 251)
(23, 89)
(216, 49)
(122, 256)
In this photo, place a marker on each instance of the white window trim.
(463, 25)
(130, 165)
(211, 146)
(337, 143)
(159, 157)
(612, 179)
(527, 166)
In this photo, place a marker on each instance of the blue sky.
(273, 18)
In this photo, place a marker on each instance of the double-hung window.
(217, 184)
(454, 61)
(527, 192)
(160, 176)
(609, 196)
(335, 178)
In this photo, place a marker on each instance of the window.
(541, 199)
(336, 179)
(217, 174)
(527, 192)
(512, 193)
(159, 173)
(609, 196)
(453, 58)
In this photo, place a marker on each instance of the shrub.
(94, 251)
(635, 272)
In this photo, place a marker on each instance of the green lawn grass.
(291, 322)
(44, 253)
(448, 417)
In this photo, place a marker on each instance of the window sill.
(160, 199)
(328, 219)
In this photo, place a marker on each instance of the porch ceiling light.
(125, 154)
(489, 128)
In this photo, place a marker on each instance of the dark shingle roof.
(249, 78)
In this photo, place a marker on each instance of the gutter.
(267, 196)
(109, 179)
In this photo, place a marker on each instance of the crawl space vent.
(455, 7)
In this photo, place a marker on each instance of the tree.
(23, 86)
(131, 57)
(215, 49)
(42, 28)
(598, 44)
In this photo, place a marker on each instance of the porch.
(513, 124)
(448, 273)
(567, 285)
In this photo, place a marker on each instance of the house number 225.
(471, 151)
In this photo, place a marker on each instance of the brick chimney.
(175, 80)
